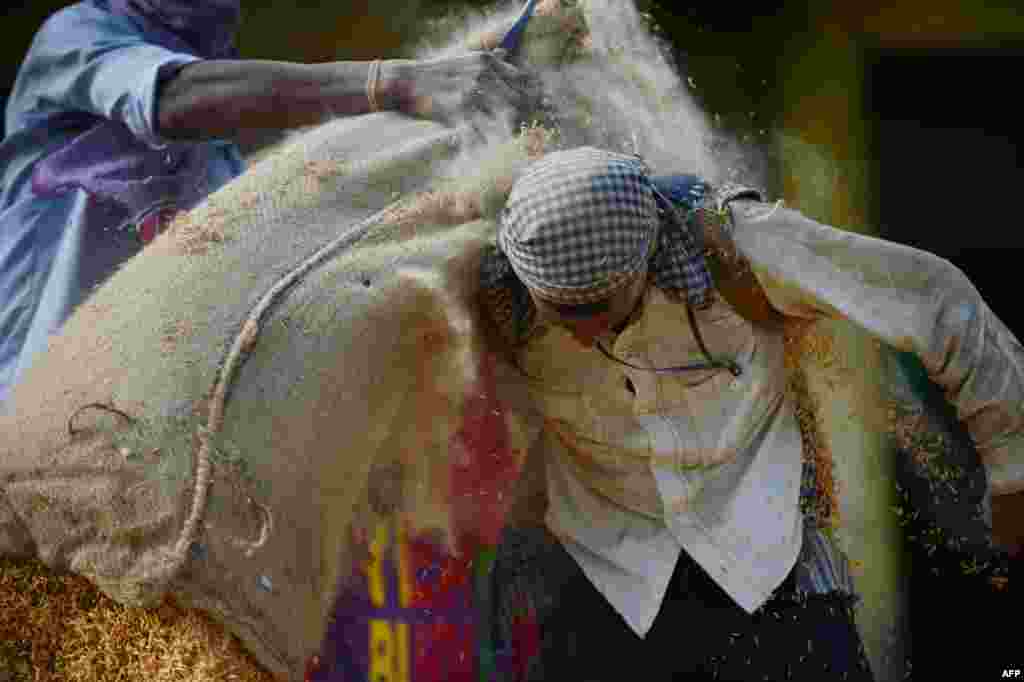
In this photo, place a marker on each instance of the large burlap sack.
(228, 415)
(208, 422)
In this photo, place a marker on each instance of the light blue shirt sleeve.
(87, 60)
(54, 250)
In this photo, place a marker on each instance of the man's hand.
(451, 88)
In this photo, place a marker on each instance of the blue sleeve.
(87, 60)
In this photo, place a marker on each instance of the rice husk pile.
(60, 627)
(803, 344)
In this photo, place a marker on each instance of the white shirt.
(620, 495)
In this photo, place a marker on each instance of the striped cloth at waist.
(822, 567)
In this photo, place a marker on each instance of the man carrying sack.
(295, 376)
(674, 533)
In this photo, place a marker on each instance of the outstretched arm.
(99, 64)
(913, 301)
(217, 98)
(910, 299)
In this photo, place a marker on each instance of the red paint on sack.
(484, 467)
(443, 625)
(446, 648)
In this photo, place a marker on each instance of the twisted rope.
(244, 343)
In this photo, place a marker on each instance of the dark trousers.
(699, 634)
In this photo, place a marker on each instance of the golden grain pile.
(59, 627)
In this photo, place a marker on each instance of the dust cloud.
(607, 82)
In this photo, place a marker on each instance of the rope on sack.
(243, 344)
(96, 406)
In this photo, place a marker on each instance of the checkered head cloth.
(579, 224)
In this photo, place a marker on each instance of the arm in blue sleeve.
(90, 61)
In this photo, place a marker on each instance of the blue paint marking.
(514, 38)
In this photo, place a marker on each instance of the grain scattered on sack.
(194, 232)
(173, 332)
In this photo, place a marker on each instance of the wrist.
(395, 86)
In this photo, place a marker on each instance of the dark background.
(948, 147)
(930, 118)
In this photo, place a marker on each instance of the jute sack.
(228, 416)
(208, 424)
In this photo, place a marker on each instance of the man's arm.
(94, 62)
(908, 298)
(217, 98)
(88, 61)
(911, 300)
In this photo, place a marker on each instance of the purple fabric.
(116, 168)
(107, 160)
(205, 27)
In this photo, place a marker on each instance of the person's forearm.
(218, 98)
